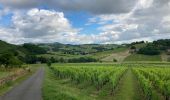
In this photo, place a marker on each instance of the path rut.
(128, 88)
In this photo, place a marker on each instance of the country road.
(30, 89)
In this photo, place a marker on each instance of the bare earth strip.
(118, 56)
(30, 89)
(165, 57)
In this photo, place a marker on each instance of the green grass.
(128, 88)
(57, 89)
(139, 57)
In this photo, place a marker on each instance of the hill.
(58, 52)
(6, 47)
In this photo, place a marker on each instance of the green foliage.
(162, 44)
(140, 42)
(34, 49)
(132, 47)
(82, 60)
(140, 57)
(151, 78)
(9, 60)
(114, 60)
(155, 47)
(49, 63)
(149, 50)
(168, 59)
(79, 81)
(5, 46)
(98, 76)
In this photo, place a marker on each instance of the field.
(107, 82)
(139, 57)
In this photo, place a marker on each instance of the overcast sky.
(84, 21)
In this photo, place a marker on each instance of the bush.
(9, 60)
(82, 60)
(48, 63)
(168, 59)
(114, 60)
(149, 50)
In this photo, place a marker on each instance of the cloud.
(38, 25)
(118, 21)
(42, 23)
(92, 6)
(21, 4)
(4, 12)
(148, 19)
(41, 26)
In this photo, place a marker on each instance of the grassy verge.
(8, 86)
(3, 74)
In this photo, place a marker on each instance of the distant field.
(97, 55)
(101, 55)
(139, 57)
(95, 81)
(119, 56)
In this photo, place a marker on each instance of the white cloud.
(147, 19)
(118, 21)
(41, 23)
(37, 25)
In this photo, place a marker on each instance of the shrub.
(149, 50)
(114, 60)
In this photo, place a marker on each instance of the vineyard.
(104, 81)
(97, 76)
(154, 82)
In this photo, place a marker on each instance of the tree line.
(152, 48)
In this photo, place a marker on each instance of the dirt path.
(128, 88)
(30, 89)
(164, 57)
(118, 56)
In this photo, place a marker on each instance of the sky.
(84, 21)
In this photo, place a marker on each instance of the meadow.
(96, 81)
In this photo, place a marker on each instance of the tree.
(149, 50)
(34, 49)
(61, 60)
(52, 59)
(48, 63)
(132, 47)
(9, 60)
(30, 59)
